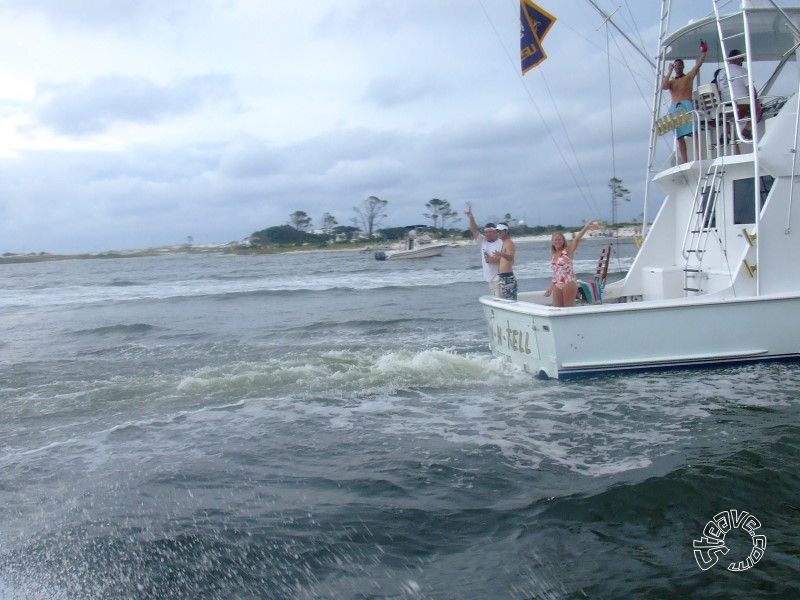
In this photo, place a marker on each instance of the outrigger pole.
(607, 18)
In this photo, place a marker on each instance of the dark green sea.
(324, 425)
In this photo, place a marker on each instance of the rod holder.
(750, 237)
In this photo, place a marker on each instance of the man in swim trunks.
(508, 283)
(680, 88)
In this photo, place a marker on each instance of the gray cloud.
(248, 157)
(84, 108)
(223, 192)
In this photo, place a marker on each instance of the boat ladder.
(742, 122)
(701, 223)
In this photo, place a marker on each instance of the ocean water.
(324, 425)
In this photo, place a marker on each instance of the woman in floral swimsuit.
(564, 286)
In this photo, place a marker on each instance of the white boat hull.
(600, 339)
(426, 251)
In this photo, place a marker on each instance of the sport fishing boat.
(717, 278)
(413, 245)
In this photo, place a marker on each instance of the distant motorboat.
(413, 246)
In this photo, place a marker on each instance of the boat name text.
(514, 339)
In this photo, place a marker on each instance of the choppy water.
(324, 425)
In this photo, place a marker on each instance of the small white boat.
(413, 246)
(717, 279)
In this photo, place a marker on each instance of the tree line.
(367, 220)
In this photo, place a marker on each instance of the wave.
(254, 284)
(127, 329)
(365, 327)
(659, 514)
(444, 459)
(349, 372)
(124, 283)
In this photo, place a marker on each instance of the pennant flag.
(534, 25)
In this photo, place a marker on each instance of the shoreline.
(35, 257)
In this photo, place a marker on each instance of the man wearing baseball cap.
(490, 251)
(738, 91)
(508, 283)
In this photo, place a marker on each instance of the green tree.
(328, 221)
(439, 210)
(276, 236)
(345, 230)
(370, 214)
(300, 220)
(393, 233)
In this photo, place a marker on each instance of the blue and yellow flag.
(534, 25)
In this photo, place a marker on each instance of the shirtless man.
(508, 283)
(680, 88)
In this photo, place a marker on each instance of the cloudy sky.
(137, 123)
